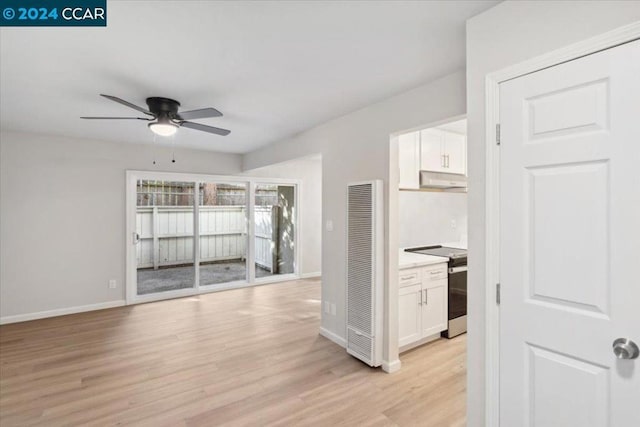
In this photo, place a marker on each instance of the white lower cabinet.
(410, 316)
(423, 303)
(434, 309)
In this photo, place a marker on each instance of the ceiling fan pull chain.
(153, 149)
(173, 148)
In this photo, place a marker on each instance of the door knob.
(624, 348)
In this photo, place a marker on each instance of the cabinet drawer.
(410, 277)
(435, 272)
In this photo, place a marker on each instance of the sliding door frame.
(132, 177)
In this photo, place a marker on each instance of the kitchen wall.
(426, 218)
(309, 171)
(357, 147)
(507, 34)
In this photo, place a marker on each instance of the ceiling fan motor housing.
(163, 107)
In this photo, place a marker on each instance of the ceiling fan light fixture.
(163, 129)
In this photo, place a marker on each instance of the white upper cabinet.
(456, 153)
(443, 151)
(432, 150)
(409, 160)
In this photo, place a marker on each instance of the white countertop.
(411, 260)
(459, 245)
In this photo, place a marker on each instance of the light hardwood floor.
(249, 357)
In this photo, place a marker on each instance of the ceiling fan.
(164, 117)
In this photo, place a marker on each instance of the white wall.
(356, 147)
(66, 197)
(309, 172)
(425, 218)
(507, 34)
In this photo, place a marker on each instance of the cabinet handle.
(426, 300)
(442, 160)
(447, 161)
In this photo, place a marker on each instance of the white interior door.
(570, 242)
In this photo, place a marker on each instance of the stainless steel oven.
(457, 301)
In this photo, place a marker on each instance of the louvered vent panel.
(364, 271)
(359, 268)
(360, 344)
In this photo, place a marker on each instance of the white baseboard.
(310, 275)
(60, 312)
(418, 343)
(333, 337)
(391, 367)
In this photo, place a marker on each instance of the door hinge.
(498, 293)
(497, 133)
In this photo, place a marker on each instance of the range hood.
(442, 180)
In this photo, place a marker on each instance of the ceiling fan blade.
(128, 104)
(117, 118)
(205, 128)
(199, 114)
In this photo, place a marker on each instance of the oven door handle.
(455, 270)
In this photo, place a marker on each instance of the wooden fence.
(166, 235)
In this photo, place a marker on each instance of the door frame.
(493, 80)
(132, 176)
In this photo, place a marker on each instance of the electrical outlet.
(333, 309)
(329, 225)
(327, 307)
(454, 224)
(112, 284)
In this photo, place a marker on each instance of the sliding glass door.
(274, 229)
(222, 233)
(165, 242)
(194, 233)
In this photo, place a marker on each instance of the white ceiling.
(273, 68)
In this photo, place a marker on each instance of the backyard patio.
(181, 277)
(167, 233)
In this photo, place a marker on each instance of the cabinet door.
(455, 150)
(410, 314)
(434, 309)
(409, 160)
(431, 150)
